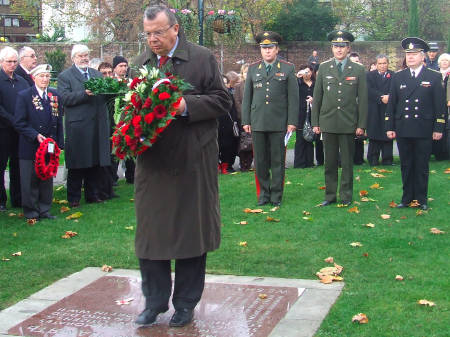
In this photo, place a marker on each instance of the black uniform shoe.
(148, 316)
(3, 208)
(402, 205)
(47, 216)
(423, 207)
(263, 202)
(181, 317)
(347, 203)
(276, 203)
(326, 203)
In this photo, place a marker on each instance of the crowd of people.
(332, 106)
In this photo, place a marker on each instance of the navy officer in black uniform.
(415, 116)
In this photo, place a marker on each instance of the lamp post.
(200, 22)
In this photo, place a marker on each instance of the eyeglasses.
(33, 56)
(10, 61)
(157, 34)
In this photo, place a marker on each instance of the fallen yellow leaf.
(130, 228)
(356, 244)
(306, 213)
(243, 223)
(59, 188)
(399, 278)
(447, 170)
(360, 318)
(370, 225)
(354, 210)
(31, 221)
(17, 254)
(106, 268)
(275, 208)
(436, 231)
(426, 303)
(75, 215)
(363, 193)
(5, 259)
(12, 214)
(392, 204)
(384, 171)
(375, 186)
(385, 216)
(243, 243)
(64, 209)
(377, 175)
(321, 187)
(270, 219)
(329, 259)
(69, 234)
(288, 183)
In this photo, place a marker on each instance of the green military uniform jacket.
(340, 100)
(270, 100)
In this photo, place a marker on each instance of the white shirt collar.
(41, 92)
(416, 70)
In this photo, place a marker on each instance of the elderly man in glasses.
(27, 61)
(10, 85)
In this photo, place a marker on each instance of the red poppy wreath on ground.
(46, 164)
(149, 107)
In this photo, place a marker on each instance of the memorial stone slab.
(108, 307)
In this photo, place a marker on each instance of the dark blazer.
(27, 77)
(29, 121)
(377, 86)
(416, 107)
(8, 93)
(86, 121)
(176, 183)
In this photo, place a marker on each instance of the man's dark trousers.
(9, 140)
(157, 283)
(334, 144)
(269, 158)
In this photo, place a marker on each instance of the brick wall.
(295, 52)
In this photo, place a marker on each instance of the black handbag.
(308, 133)
(245, 141)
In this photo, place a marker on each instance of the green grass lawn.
(294, 247)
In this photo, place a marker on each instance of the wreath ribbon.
(43, 169)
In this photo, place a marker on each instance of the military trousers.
(385, 147)
(157, 283)
(269, 158)
(333, 144)
(414, 160)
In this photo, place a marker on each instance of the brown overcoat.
(176, 184)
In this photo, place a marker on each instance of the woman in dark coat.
(304, 151)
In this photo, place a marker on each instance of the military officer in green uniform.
(269, 109)
(339, 111)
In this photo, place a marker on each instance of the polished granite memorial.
(108, 307)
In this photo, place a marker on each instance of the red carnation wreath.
(46, 170)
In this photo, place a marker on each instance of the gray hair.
(78, 49)
(443, 56)
(95, 62)
(151, 12)
(7, 51)
(24, 50)
(382, 56)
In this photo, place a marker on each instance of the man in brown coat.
(176, 187)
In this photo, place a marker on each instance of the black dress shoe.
(94, 201)
(181, 317)
(326, 203)
(263, 202)
(276, 203)
(47, 216)
(423, 207)
(347, 203)
(3, 208)
(148, 316)
(401, 205)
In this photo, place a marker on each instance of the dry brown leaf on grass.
(249, 210)
(385, 216)
(262, 296)
(75, 215)
(31, 221)
(420, 212)
(358, 178)
(5, 259)
(363, 193)
(436, 231)
(399, 278)
(131, 200)
(129, 228)
(376, 186)
(276, 208)
(377, 175)
(243, 243)
(384, 171)
(69, 234)
(59, 188)
(414, 203)
(321, 187)
(356, 244)
(341, 205)
(360, 318)
(426, 303)
(354, 210)
(17, 254)
(12, 214)
(329, 274)
(64, 209)
(243, 223)
(447, 170)
(366, 254)
(392, 204)
(306, 213)
(370, 225)
(106, 268)
(329, 259)
(270, 219)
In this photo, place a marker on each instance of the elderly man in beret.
(269, 110)
(415, 116)
(37, 117)
(339, 111)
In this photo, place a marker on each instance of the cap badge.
(411, 46)
(266, 34)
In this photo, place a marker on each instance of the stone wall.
(295, 52)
